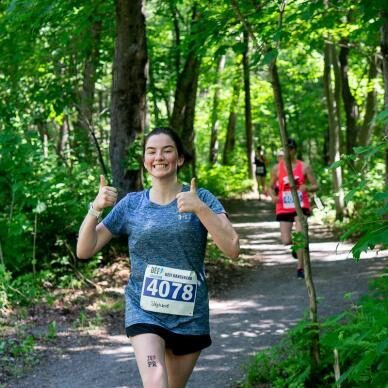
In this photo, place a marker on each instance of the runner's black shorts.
(180, 344)
(290, 217)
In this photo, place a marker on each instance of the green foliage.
(31, 182)
(17, 354)
(366, 200)
(28, 288)
(52, 330)
(224, 181)
(284, 365)
(358, 334)
(362, 342)
(298, 241)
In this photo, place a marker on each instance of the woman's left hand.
(188, 201)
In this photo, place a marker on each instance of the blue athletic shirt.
(158, 234)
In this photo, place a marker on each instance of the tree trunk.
(154, 92)
(384, 52)
(350, 105)
(84, 124)
(366, 130)
(334, 129)
(63, 138)
(248, 111)
(44, 136)
(187, 131)
(313, 311)
(128, 93)
(231, 128)
(213, 153)
(182, 119)
(177, 36)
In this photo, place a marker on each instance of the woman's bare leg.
(285, 232)
(179, 368)
(150, 357)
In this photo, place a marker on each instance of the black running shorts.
(180, 344)
(290, 217)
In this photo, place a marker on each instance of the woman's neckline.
(169, 203)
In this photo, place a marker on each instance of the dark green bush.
(45, 201)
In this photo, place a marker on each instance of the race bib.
(288, 201)
(169, 290)
(260, 170)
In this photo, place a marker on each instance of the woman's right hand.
(275, 199)
(106, 197)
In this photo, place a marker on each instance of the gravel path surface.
(250, 317)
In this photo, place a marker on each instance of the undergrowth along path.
(248, 318)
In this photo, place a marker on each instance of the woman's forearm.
(87, 238)
(221, 230)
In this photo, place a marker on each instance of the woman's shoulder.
(132, 198)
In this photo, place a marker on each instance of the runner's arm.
(221, 230)
(272, 183)
(92, 237)
(313, 184)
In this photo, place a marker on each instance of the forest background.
(82, 82)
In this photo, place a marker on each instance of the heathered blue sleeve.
(210, 200)
(117, 219)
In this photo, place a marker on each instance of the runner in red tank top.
(280, 192)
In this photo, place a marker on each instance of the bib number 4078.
(169, 290)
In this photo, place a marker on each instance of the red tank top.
(286, 202)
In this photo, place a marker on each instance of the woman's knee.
(155, 376)
(180, 368)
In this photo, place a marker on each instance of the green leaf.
(369, 151)
(382, 211)
(351, 193)
(370, 240)
(270, 56)
(382, 117)
(337, 164)
(350, 231)
(381, 196)
(382, 346)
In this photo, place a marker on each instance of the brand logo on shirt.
(185, 217)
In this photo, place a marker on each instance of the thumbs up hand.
(188, 201)
(106, 197)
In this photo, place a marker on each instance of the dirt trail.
(250, 317)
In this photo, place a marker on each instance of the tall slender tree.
(213, 149)
(334, 126)
(84, 124)
(182, 119)
(128, 93)
(247, 106)
(350, 105)
(230, 140)
(384, 52)
(366, 130)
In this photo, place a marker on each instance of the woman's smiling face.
(161, 157)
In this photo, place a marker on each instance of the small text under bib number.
(169, 290)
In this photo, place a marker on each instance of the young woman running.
(167, 306)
